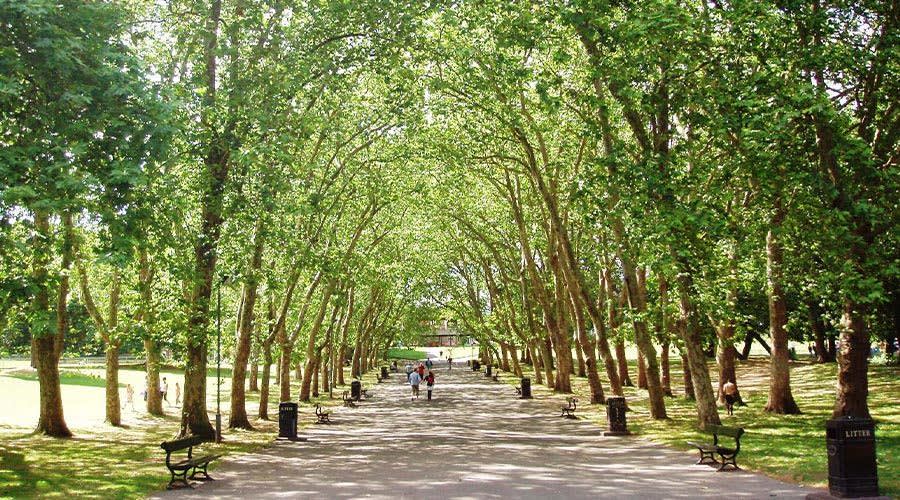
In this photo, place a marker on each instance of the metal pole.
(219, 363)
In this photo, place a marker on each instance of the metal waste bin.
(487, 371)
(852, 471)
(356, 390)
(526, 388)
(287, 420)
(476, 366)
(384, 372)
(615, 417)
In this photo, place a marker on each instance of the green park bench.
(193, 465)
(568, 411)
(324, 417)
(709, 450)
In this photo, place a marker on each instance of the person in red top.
(429, 383)
(422, 370)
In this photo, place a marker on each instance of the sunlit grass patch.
(66, 377)
(788, 447)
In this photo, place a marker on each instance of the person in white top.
(414, 381)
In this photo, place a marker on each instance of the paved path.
(475, 440)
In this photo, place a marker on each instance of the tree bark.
(245, 327)
(780, 398)
(194, 416)
(47, 342)
(707, 411)
(147, 319)
(688, 380)
(666, 369)
(263, 413)
(637, 301)
(853, 377)
(587, 347)
(641, 372)
(725, 356)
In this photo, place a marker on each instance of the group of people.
(163, 393)
(415, 376)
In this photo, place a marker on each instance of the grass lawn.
(788, 447)
(66, 377)
(412, 354)
(102, 461)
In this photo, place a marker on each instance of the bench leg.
(197, 470)
(178, 478)
(704, 455)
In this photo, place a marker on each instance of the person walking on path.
(409, 369)
(177, 394)
(421, 371)
(414, 381)
(449, 363)
(428, 363)
(129, 397)
(730, 391)
(164, 391)
(429, 383)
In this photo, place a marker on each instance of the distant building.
(445, 334)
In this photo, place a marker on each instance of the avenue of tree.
(562, 179)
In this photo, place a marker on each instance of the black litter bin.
(287, 420)
(476, 366)
(852, 471)
(615, 417)
(526, 388)
(356, 390)
(384, 372)
(487, 371)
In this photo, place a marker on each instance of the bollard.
(615, 417)
(487, 371)
(356, 390)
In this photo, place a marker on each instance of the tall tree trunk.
(277, 380)
(579, 356)
(113, 403)
(853, 382)
(245, 326)
(284, 371)
(194, 416)
(664, 365)
(263, 413)
(536, 362)
(587, 347)
(780, 398)
(547, 362)
(47, 342)
(151, 346)
(817, 325)
(663, 334)
(637, 301)
(622, 362)
(514, 357)
(688, 379)
(725, 356)
(254, 368)
(504, 357)
(641, 372)
(315, 377)
(154, 398)
(707, 410)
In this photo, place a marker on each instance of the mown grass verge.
(787, 447)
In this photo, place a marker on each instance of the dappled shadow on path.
(474, 440)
